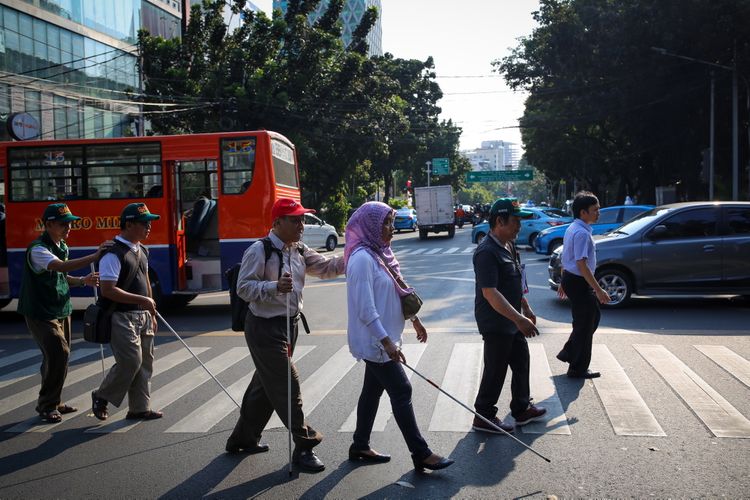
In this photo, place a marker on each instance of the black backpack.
(237, 304)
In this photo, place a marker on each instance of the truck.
(434, 205)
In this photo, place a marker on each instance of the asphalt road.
(668, 419)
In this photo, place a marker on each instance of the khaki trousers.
(132, 344)
(53, 337)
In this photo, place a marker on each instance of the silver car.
(694, 248)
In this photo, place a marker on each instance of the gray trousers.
(132, 344)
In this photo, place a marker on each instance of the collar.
(132, 246)
(496, 240)
(585, 226)
(276, 241)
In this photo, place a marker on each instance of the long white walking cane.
(289, 370)
(96, 299)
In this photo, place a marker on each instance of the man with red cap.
(264, 281)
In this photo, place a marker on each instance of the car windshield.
(403, 211)
(554, 212)
(642, 220)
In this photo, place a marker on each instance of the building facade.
(72, 64)
(351, 15)
(494, 155)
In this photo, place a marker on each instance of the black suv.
(694, 248)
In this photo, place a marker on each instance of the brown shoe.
(531, 414)
(482, 426)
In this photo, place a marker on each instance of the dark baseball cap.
(58, 212)
(509, 206)
(137, 212)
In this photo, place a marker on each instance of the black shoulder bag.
(410, 303)
(97, 320)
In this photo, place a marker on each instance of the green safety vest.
(45, 295)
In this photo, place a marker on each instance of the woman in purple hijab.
(376, 322)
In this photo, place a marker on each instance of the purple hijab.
(365, 229)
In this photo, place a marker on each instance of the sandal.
(51, 416)
(144, 415)
(63, 409)
(99, 407)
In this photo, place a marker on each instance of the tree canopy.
(610, 111)
(354, 120)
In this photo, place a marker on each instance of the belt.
(294, 319)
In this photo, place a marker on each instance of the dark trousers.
(586, 316)
(267, 392)
(501, 351)
(390, 377)
(53, 338)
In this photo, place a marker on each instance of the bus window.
(46, 173)
(123, 170)
(237, 164)
(283, 164)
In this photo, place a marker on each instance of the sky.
(463, 37)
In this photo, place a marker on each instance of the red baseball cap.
(288, 206)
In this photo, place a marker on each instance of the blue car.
(609, 218)
(406, 218)
(543, 218)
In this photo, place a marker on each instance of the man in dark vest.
(123, 273)
(45, 303)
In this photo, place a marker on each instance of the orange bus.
(214, 193)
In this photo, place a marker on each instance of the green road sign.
(500, 176)
(440, 166)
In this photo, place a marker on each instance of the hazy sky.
(463, 37)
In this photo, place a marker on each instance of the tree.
(608, 111)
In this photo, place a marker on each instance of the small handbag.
(411, 303)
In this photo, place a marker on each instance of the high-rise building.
(70, 64)
(231, 19)
(351, 15)
(494, 155)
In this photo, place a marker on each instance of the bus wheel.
(331, 243)
(4, 302)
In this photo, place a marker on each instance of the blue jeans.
(390, 377)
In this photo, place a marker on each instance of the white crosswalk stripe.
(168, 394)
(433, 251)
(418, 251)
(83, 400)
(733, 363)
(31, 370)
(461, 380)
(452, 250)
(19, 356)
(545, 395)
(204, 418)
(625, 408)
(320, 383)
(468, 249)
(721, 418)
(413, 353)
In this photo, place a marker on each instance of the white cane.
(96, 299)
(289, 372)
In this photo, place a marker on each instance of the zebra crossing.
(453, 251)
(624, 407)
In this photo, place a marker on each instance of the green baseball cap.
(58, 212)
(509, 206)
(137, 212)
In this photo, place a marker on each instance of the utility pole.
(735, 125)
(712, 141)
(429, 171)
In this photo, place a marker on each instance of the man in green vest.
(45, 303)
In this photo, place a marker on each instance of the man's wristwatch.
(82, 282)
(414, 319)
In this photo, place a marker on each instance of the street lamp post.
(429, 171)
(735, 126)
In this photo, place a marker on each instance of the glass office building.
(71, 64)
(351, 15)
